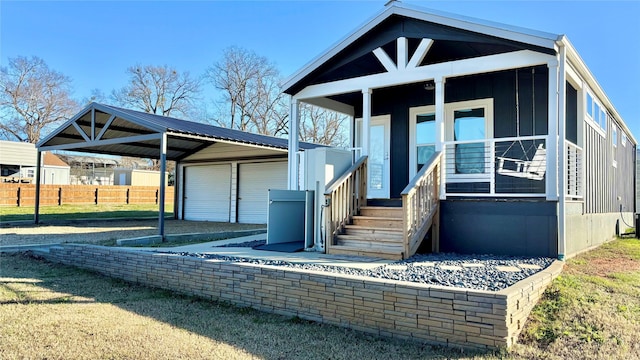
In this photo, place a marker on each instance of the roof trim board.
(514, 33)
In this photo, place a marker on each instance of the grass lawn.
(73, 212)
(51, 311)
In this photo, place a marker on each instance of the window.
(425, 138)
(624, 139)
(596, 112)
(469, 124)
(422, 137)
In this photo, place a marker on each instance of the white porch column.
(552, 138)
(562, 155)
(366, 120)
(439, 82)
(294, 143)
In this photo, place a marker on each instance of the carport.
(106, 129)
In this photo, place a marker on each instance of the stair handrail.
(343, 199)
(420, 206)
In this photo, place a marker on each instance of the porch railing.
(420, 206)
(574, 170)
(505, 167)
(343, 199)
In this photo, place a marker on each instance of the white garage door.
(207, 190)
(255, 181)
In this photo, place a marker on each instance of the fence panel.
(25, 194)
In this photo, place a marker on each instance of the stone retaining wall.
(433, 314)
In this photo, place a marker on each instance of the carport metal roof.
(107, 129)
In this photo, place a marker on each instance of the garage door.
(255, 181)
(207, 190)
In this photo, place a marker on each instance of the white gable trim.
(477, 65)
(508, 32)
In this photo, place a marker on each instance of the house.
(487, 138)
(221, 174)
(18, 165)
(138, 177)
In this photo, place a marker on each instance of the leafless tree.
(33, 98)
(322, 126)
(158, 90)
(252, 98)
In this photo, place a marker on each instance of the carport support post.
(294, 145)
(163, 169)
(36, 213)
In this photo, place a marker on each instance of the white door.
(379, 166)
(255, 180)
(207, 192)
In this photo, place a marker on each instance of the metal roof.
(108, 129)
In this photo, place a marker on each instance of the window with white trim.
(422, 141)
(623, 140)
(596, 112)
(469, 124)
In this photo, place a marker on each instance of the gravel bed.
(447, 269)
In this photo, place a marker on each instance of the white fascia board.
(490, 63)
(336, 48)
(225, 141)
(332, 105)
(509, 32)
(575, 60)
(81, 145)
(523, 35)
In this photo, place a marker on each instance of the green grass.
(592, 310)
(74, 212)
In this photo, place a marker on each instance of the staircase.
(375, 232)
(391, 229)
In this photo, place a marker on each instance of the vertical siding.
(604, 182)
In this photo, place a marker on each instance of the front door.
(379, 166)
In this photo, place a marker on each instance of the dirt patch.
(606, 266)
(93, 232)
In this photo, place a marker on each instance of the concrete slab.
(528, 266)
(450, 267)
(472, 265)
(508, 268)
(425, 263)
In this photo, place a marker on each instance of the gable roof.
(51, 159)
(508, 32)
(108, 129)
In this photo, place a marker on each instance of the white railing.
(574, 170)
(420, 205)
(504, 167)
(343, 198)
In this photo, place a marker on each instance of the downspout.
(36, 213)
(294, 143)
(562, 154)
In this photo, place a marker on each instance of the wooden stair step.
(378, 222)
(371, 229)
(382, 238)
(370, 252)
(381, 211)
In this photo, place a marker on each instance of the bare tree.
(322, 126)
(158, 90)
(33, 98)
(252, 98)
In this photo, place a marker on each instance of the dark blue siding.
(499, 227)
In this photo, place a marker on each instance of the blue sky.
(93, 42)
